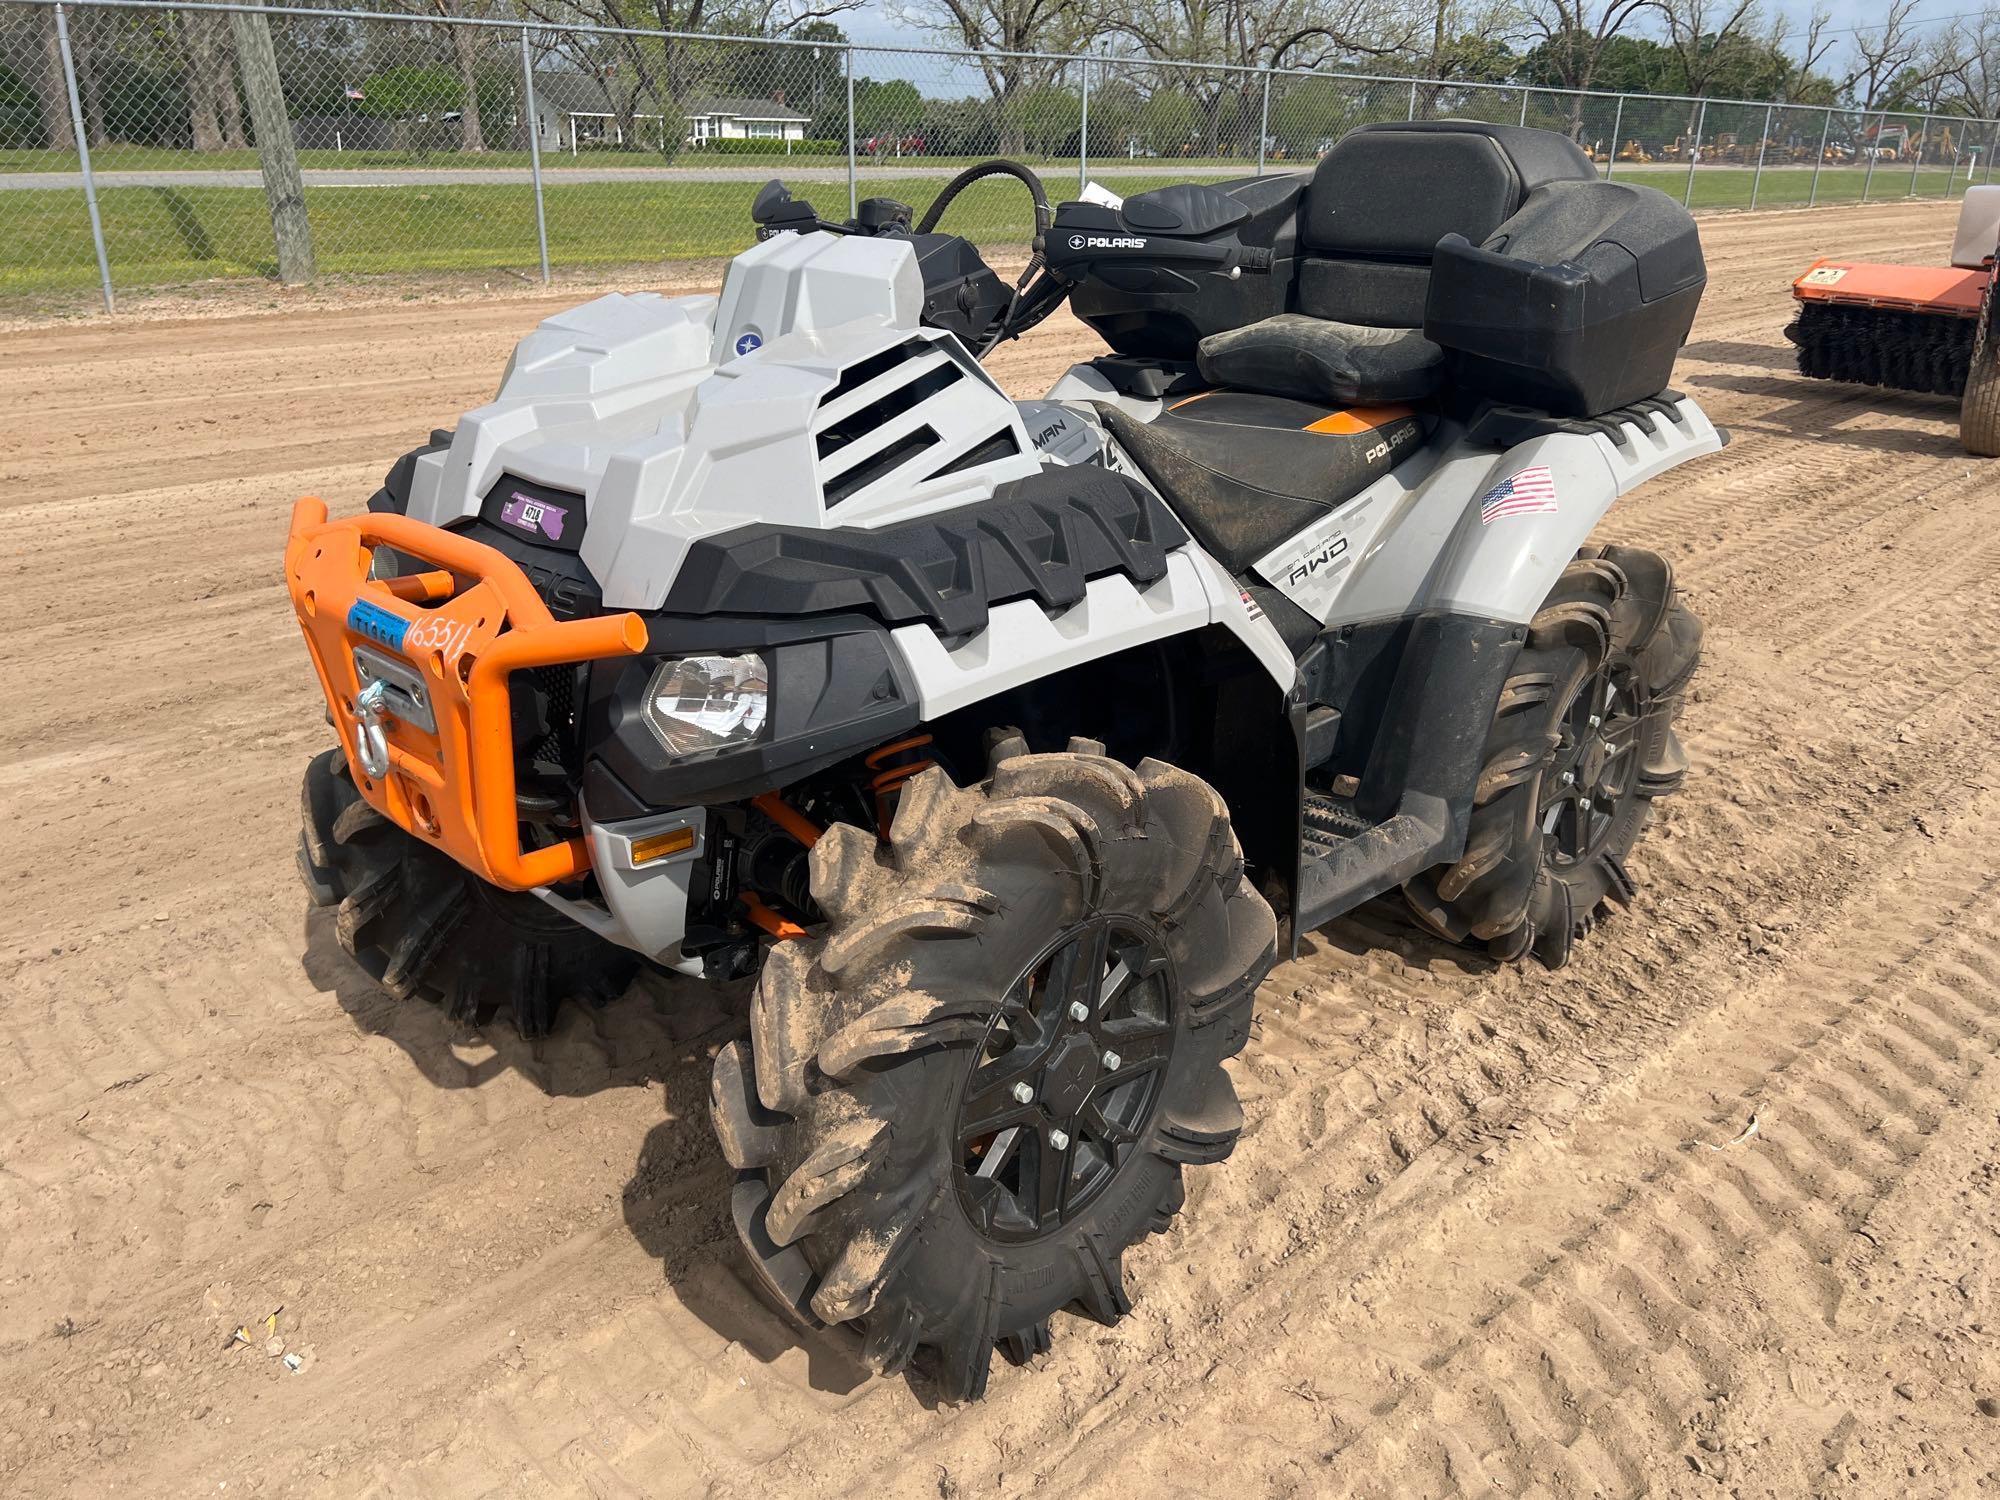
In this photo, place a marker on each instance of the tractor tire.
(1979, 408)
(1582, 742)
(961, 1102)
(425, 927)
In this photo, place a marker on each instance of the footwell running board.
(1337, 875)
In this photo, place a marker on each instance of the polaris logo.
(1389, 444)
(1106, 242)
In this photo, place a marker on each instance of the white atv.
(765, 633)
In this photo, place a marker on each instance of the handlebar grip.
(1255, 259)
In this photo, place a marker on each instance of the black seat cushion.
(1314, 359)
(1244, 471)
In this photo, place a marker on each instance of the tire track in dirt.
(479, 1266)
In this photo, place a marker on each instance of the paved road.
(461, 177)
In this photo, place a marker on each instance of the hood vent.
(904, 416)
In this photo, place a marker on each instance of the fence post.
(1083, 136)
(1991, 146)
(1868, 177)
(1617, 128)
(1757, 177)
(1825, 134)
(1524, 105)
(1694, 153)
(534, 123)
(1264, 123)
(83, 157)
(1917, 165)
(1413, 100)
(853, 200)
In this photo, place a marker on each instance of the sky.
(875, 23)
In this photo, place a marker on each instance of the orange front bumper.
(463, 628)
(1945, 290)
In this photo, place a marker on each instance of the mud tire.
(1979, 408)
(841, 1110)
(1614, 617)
(424, 927)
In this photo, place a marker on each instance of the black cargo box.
(1579, 303)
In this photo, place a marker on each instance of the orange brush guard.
(462, 628)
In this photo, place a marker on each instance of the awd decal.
(1310, 568)
(1309, 562)
(1532, 492)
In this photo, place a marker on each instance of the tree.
(1573, 37)
(998, 30)
(1969, 63)
(50, 88)
(277, 153)
(1703, 34)
(467, 44)
(201, 40)
(408, 93)
(1248, 34)
(1881, 54)
(661, 70)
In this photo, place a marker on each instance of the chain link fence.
(144, 147)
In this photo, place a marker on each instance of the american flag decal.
(1531, 492)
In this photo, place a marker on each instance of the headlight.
(708, 702)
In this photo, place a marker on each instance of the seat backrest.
(1383, 197)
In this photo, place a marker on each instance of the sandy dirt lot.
(1476, 1239)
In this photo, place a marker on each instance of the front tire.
(960, 1105)
(1582, 743)
(425, 927)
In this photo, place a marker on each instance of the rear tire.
(1979, 408)
(1581, 744)
(425, 927)
(891, 1174)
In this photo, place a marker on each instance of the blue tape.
(383, 627)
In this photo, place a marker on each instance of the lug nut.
(1059, 1139)
(1111, 1061)
(1595, 720)
(1569, 778)
(1078, 1011)
(1584, 803)
(1023, 1094)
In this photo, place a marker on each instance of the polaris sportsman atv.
(764, 633)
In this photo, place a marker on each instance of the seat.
(1317, 359)
(1244, 470)
(1369, 222)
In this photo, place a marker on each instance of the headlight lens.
(703, 703)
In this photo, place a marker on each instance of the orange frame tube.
(474, 620)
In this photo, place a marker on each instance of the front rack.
(415, 671)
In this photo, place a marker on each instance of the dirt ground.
(1488, 1231)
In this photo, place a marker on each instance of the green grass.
(171, 236)
(1730, 187)
(117, 158)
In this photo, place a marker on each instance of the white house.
(576, 109)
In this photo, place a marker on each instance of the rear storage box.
(1577, 304)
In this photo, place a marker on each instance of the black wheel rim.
(1065, 1080)
(1591, 776)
